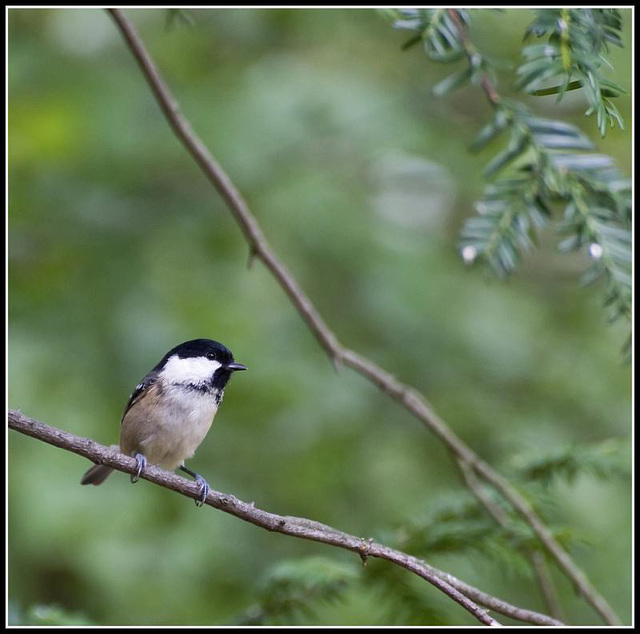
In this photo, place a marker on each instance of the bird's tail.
(96, 475)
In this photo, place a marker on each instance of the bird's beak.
(236, 366)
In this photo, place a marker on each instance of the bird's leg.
(204, 487)
(142, 463)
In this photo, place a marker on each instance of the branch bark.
(410, 398)
(467, 596)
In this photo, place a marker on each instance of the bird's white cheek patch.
(191, 370)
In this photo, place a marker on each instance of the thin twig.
(547, 587)
(412, 400)
(535, 557)
(472, 54)
(304, 528)
(494, 509)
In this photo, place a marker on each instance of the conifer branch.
(573, 55)
(547, 164)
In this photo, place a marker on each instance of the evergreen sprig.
(454, 524)
(292, 590)
(439, 32)
(573, 55)
(549, 165)
(182, 17)
(403, 601)
(549, 172)
(47, 615)
(436, 30)
(603, 460)
(458, 524)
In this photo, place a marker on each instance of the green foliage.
(457, 523)
(573, 55)
(436, 30)
(547, 165)
(603, 460)
(439, 30)
(181, 17)
(292, 590)
(403, 597)
(47, 615)
(550, 165)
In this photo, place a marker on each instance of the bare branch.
(411, 399)
(461, 592)
(547, 587)
(535, 557)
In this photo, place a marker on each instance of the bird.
(171, 410)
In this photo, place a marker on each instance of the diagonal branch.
(411, 399)
(502, 518)
(464, 594)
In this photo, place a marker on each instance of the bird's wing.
(140, 391)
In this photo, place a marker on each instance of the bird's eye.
(211, 355)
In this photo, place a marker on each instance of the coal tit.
(172, 408)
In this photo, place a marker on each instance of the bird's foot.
(204, 486)
(204, 490)
(142, 463)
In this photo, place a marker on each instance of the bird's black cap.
(203, 348)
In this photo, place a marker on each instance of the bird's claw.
(204, 490)
(204, 487)
(142, 463)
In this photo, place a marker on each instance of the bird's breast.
(181, 419)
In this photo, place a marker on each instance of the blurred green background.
(119, 249)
